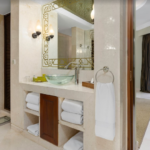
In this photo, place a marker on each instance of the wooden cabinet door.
(49, 118)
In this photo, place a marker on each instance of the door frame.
(130, 75)
(5, 36)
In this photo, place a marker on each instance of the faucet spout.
(76, 71)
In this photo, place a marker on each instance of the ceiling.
(142, 12)
(4, 7)
(67, 20)
(142, 16)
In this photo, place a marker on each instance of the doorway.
(7, 62)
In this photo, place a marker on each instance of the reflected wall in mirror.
(68, 34)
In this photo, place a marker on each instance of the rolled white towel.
(34, 129)
(72, 118)
(72, 106)
(75, 143)
(33, 98)
(33, 107)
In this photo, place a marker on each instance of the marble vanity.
(65, 130)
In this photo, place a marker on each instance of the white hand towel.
(72, 118)
(33, 107)
(33, 98)
(34, 129)
(75, 143)
(105, 111)
(73, 106)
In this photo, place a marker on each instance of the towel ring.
(105, 69)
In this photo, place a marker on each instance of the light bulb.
(38, 26)
(92, 13)
(51, 31)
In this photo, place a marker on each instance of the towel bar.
(105, 69)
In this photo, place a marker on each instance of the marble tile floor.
(12, 140)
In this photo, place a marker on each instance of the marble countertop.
(70, 90)
(71, 86)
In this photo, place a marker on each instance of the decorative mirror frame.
(60, 62)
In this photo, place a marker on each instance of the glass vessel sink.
(59, 79)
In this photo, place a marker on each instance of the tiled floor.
(11, 140)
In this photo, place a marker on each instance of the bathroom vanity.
(54, 132)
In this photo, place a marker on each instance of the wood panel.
(130, 80)
(92, 54)
(7, 62)
(49, 118)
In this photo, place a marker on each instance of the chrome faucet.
(76, 71)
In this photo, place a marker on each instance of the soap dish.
(88, 84)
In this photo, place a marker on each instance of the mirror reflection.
(68, 34)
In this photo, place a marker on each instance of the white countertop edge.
(70, 87)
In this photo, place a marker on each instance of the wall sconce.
(38, 30)
(51, 33)
(93, 13)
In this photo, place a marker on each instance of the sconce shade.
(38, 26)
(92, 13)
(38, 30)
(51, 31)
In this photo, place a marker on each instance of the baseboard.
(17, 129)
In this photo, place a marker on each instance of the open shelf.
(26, 131)
(71, 125)
(32, 112)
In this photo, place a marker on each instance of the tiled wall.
(2, 61)
(64, 46)
(26, 51)
(29, 48)
(53, 43)
(109, 51)
(16, 104)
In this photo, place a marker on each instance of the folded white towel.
(75, 143)
(72, 106)
(34, 129)
(33, 107)
(72, 118)
(33, 134)
(105, 111)
(33, 98)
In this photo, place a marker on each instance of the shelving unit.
(32, 112)
(66, 130)
(71, 125)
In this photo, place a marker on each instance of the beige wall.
(77, 40)
(88, 43)
(29, 48)
(108, 33)
(64, 45)
(16, 104)
(53, 44)
(1, 62)
(25, 50)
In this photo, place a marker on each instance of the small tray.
(88, 84)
